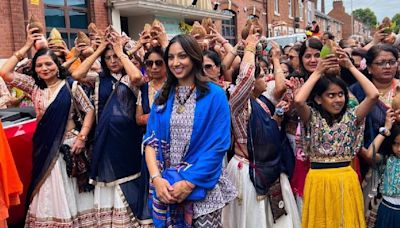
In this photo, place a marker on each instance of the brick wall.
(13, 28)
(12, 25)
(99, 13)
(338, 12)
(238, 7)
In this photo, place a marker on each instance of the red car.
(19, 125)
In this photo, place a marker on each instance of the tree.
(366, 16)
(396, 18)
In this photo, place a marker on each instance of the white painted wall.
(116, 20)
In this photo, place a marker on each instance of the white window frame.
(290, 2)
(301, 9)
(276, 7)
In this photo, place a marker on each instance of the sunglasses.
(208, 66)
(149, 63)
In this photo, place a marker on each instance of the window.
(276, 5)
(301, 9)
(290, 8)
(229, 28)
(68, 16)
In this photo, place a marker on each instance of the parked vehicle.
(19, 125)
(289, 39)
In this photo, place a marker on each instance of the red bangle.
(224, 42)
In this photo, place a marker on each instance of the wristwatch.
(384, 131)
(82, 137)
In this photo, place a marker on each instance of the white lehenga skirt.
(58, 202)
(112, 208)
(246, 211)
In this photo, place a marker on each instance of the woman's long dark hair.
(193, 50)
(320, 87)
(62, 73)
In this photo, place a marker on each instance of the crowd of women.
(195, 132)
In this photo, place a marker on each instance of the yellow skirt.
(333, 199)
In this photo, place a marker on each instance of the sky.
(381, 8)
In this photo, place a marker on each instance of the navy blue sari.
(117, 146)
(47, 140)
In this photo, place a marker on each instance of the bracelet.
(224, 42)
(82, 137)
(278, 71)
(154, 177)
(251, 49)
(18, 55)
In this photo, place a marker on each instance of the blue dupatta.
(209, 142)
(47, 139)
(117, 146)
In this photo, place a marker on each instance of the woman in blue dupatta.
(189, 126)
(53, 197)
(116, 170)
(382, 70)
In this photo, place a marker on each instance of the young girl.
(332, 193)
(388, 140)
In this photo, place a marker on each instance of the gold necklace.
(182, 100)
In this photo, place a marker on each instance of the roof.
(326, 17)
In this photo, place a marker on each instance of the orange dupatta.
(10, 183)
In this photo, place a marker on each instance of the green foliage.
(396, 19)
(367, 16)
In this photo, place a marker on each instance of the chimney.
(338, 4)
(323, 6)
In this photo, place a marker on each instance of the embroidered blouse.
(337, 143)
(238, 101)
(391, 177)
(42, 98)
(181, 127)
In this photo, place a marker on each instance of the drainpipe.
(266, 17)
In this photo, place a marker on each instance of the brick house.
(68, 16)
(278, 17)
(350, 27)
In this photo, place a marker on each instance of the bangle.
(18, 55)
(250, 48)
(278, 71)
(82, 137)
(154, 177)
(224, 42)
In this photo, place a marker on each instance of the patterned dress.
(207, 211)
(58, 202)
